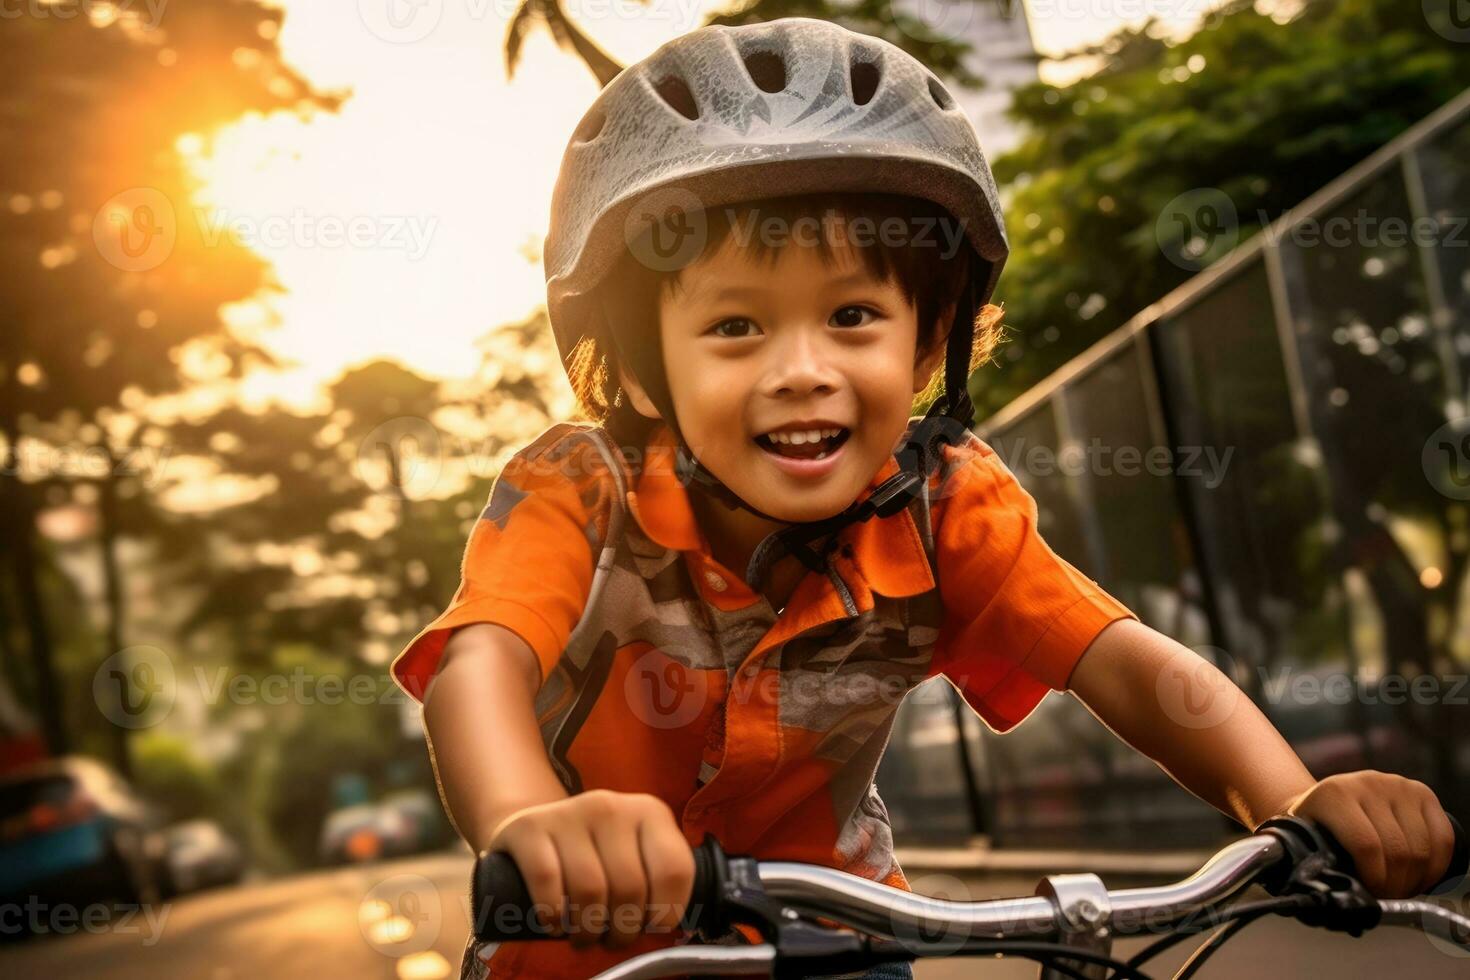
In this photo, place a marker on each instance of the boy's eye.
(740, 326)
(852, 316)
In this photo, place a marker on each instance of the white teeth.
(802, 438)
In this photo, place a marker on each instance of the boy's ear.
(929, 361)
(637, 395)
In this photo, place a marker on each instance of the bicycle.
(1068, 926)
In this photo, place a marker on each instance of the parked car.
(430, 827)
(366, 832)
(199, 854)
(72, 830)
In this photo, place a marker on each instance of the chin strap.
(946, 423)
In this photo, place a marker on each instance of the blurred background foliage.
(345, 530)
(1264, 111)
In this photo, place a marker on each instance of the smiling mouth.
(820, 449)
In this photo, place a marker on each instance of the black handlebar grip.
(502, 909)
(500, 902)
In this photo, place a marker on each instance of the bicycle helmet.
(722, 115)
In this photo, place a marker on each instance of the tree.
(1262, 111)
(108, 278)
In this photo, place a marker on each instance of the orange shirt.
(664, 673)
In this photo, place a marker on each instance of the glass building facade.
(1272, 466)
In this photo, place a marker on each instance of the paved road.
(407, 920)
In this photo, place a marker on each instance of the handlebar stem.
(1084, 913)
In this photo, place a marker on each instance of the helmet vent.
(941, 96)
(673, 90)
(766, 70)
(589, 128)
(864, 77)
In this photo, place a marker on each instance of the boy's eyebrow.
(726, 291)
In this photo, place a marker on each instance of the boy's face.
(752, 348)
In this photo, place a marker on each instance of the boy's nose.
(800, 367)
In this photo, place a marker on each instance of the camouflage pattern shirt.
(663, 672)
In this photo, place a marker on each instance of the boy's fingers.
(586, 893)
(1415, 864)
(1355, 832)
(670, 864)
(1392, 846)
(1441, 841)
(617, 845)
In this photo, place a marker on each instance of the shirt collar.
(886, 551)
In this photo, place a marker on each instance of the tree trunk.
(113, 595)
(567, 33)
(22, 533)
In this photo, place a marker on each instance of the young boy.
(700, 613)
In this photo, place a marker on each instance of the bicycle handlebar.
(1287, 855)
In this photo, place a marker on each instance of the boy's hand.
(1393, 827)
(619, 859)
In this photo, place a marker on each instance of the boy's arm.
(1175, 707)
(484, 741)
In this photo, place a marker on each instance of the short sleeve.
(1017, 616)
(528, 563)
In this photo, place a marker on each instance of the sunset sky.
(441, 170)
